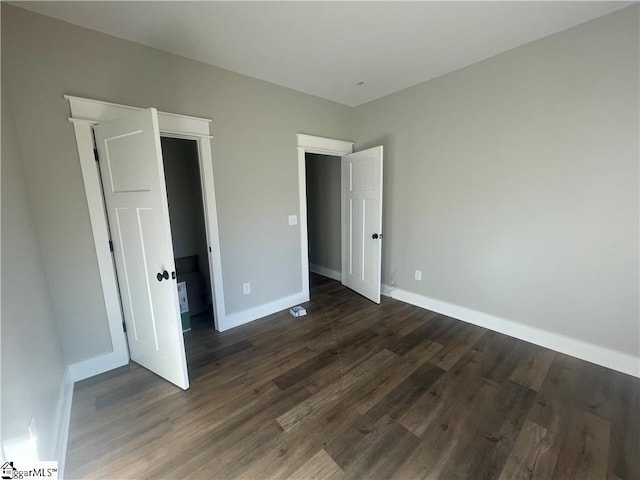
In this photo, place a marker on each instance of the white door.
(136, 199)
(362, 221)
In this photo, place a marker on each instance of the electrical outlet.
(246, 288)
(418, 275)
(293, 219)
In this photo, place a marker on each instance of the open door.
(362, 222)
(136, 201)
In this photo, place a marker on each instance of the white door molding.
(84, 114)
(323, 146)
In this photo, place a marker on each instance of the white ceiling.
(325, 48)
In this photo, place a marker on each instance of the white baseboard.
(325, 272)
(63, 419)
(606, 357)
(246, 316)
(97, 365)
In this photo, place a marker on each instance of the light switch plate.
(293, 219)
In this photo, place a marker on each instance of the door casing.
(84, 114)
(323, 146)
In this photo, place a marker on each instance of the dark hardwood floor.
(357, 390)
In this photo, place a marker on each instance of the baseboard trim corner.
(97, 365)
(325, 272)
(589, 352)
(245, 316)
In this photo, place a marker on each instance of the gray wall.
(182, 177)
(323, 211)
(513, 183)
(32, 367)
(255, 159)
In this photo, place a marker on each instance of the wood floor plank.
(105, 432)
(346, 361)
(210, 357)
(533, 367)
(552, 410)
(500, 356)
(277, 363)
(223, 412)
(439, 399)
(395, 403)
(458, 346)
(585, 450)
(358, 390)
(319, 467)
(322, 359)
(523, 462)
(87, 465)
(403, 344)
(449, 433)
(608, 395)
(372, 449)
(405, 366)
(487, 451)
(411, 320)
(319, 402)
(231, 460)
(624, 397)
(295, 447)
(229, 447)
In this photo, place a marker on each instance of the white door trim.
(323, 146)
(84, 114)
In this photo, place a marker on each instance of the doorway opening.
(142, 132)
(323, 185)
(309, 144)
(360, 213)
(188, 232)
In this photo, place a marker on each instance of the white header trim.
(325, 146)
(95, 111)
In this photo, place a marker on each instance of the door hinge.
(209, 249)
(124, 327)
(110, 245)
(95, 154)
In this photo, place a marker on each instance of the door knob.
(375, 236)
(162, 275)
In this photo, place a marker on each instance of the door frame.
(84, 114)
(322, 146)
